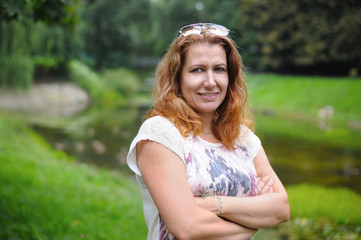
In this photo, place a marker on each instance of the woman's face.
(204, 77)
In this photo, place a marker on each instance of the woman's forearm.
(256, 212)
(206, 225)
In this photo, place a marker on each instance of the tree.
(302, 35)
(49, 11)
(35, 35)
(112, 30)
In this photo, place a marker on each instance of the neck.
(207, 132)
(207, 125)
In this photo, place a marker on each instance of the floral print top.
(210, 167)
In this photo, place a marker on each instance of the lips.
(208, 94)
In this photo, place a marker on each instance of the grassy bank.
(302, 97)
(294, 107)
(46, 195)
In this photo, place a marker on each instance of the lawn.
(303, 97)
(46, 194)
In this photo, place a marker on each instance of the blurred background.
(79, 73)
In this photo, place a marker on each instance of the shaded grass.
(45, 195)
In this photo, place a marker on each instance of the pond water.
(102, 138)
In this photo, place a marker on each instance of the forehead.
(205, 52)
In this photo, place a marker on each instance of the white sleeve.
(160, 130)
(248, 139)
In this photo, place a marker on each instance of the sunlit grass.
(339, 205)
(302, 97)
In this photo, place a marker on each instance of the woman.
(203, 173)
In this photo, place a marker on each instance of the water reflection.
(297, 161)
(102, 137)
(99, 137)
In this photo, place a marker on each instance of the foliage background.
(302, 37)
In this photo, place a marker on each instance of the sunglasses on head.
(198, 28)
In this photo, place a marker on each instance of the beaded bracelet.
(219, 201)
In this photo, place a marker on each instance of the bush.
(122, 80)
(86, 78)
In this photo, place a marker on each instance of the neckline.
(219, 144)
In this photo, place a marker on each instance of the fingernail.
(270, 182)
(266, 177)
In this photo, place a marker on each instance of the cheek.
(225, 85)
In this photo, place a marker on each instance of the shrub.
(122, 80)
(86, 78)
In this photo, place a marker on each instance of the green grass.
(335, 137)
(46, 195)
(319, 213)
(339, 205)
(301, 97)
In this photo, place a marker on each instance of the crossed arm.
(187, 217)
(269, 208)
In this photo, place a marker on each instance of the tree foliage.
(280, 35)
(111, 30)
(49, 11)
(271, 34)
(35, 36)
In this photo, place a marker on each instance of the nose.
(210, 80)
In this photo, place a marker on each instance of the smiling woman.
(204, 79)
(202, 171)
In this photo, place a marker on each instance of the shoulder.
(158, 125)
(157, 129)
(157, 120)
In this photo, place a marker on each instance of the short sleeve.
(248, 139)
(160, 130)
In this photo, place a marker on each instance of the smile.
(208, 94)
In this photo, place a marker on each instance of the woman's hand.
(265, 185)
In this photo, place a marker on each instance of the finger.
(265, 189)
(262, 183)
(266, 185)
(270, 182)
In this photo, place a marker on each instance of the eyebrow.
(202, 65)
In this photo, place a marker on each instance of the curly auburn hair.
(169, 102)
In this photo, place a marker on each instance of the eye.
(195, 70)
(220, 69)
